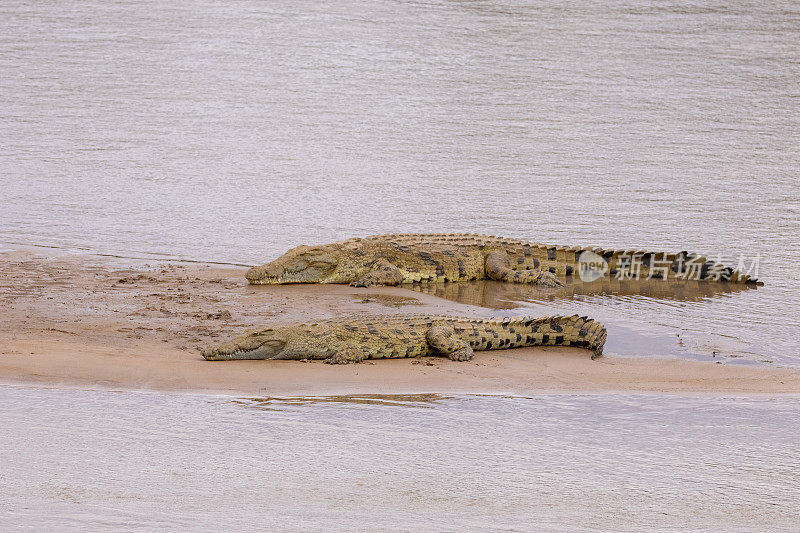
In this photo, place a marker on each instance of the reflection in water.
(388, 300)
(394, 400)
(499, 295)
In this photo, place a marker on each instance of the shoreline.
(88, 320)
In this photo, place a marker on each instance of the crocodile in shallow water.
(408, 258)
(380, 337)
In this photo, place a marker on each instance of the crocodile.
(414, 257)
(351, 340)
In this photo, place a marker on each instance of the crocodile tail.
(581, 332)
(575, 330)
(635, 264)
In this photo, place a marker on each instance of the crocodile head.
(259, 344)
(304, 264)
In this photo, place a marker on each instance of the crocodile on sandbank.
(351, 340)
(408, 258)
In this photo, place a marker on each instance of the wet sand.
(94, 321)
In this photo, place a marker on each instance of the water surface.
(139, 461)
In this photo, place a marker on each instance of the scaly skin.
(353, 340)
(408, 258)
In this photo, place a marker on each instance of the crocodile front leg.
(443, 340)
(498, 267)
(347, 353)
(385, 273)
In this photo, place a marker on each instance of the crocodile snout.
(258, 273)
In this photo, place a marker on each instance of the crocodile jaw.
(264, 276)
(253, 346)
(303, 264)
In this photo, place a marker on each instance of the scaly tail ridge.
(578, 331)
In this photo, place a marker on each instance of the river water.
(145, 461)
(233, 130)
